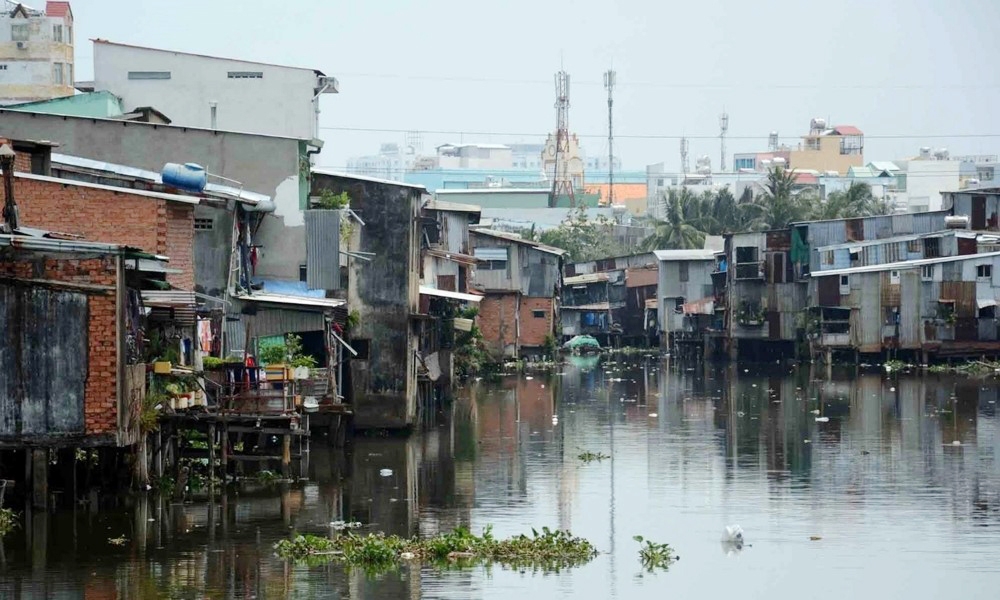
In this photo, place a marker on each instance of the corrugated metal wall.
(323, 249)
(911, 309)
(43, 356)
(867, 335)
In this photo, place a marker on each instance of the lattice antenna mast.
(609, 84)
(723, 129)
(562, 183)
(684, 156)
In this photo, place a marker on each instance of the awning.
(985, 302)
(429, 291)
(463, 259)
(175, 306)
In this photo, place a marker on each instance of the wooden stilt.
(286, 455)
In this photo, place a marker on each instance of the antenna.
(561, 181)
(684, 155)
(609, 84)
(723, 129)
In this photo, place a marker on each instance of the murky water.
(900, 510)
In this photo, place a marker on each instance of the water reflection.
(867, 465)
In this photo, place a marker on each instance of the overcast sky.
(917, 68)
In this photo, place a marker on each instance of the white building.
(922, 179)
(390, 163)
(36, 52)
(247, 96)
(474, 156)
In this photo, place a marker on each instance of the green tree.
(676, 231)
(583, 238)
(855, 201)
(780, 203)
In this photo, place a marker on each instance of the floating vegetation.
(896, 365)
(655, 556)
(118, 541)
(974, 368)
(267, 476)
(589, 457)
(377, 553)
(8, 521)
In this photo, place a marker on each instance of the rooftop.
(587, 278)
(902, 265)
(693, 254)
(451, 206)
(500, 235)
(342, 175)
(252, 62)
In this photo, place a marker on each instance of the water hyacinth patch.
(589, 457)
(655, 556)
(550, 550)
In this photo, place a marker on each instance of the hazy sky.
(915, 68)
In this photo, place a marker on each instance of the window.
(57, 33)
(149, 74)
(678, 305)
(3, 67)
(746, 254)
(894, 277)
(19, 32)
(984, 272)
(538, 314)
(932, 248)
(927, 273)
(913, 246)
(69, 34)
(493, 265)
(845, 285)
(362, 347)
(246, 74)
(682, 272)
(69, 74)
(491, 259)
(204, 224)
(57, 73)
(828, 256)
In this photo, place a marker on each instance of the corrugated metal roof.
(641, 277)
(883, 165)
(449, 294)
(111, 188)
(240, 60)
(490, 253)
(458, 257)
(898, 238)
(211, 189)
(592, 307)
(671, 255)
(500, 190)
(518, 240)
(53, 245)
(295, 301)
(452, 206)
(342, 175)
(168, 298)
(586, 278)
(909, 264)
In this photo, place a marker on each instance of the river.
(869, 498)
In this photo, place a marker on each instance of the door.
(978, 213)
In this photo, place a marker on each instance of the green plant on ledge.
(290, 353)
(331, 201)
(750, 315)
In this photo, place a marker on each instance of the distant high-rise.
(36, 52)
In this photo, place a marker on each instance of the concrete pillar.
(39, 477)
(286, 455)
(211, 456)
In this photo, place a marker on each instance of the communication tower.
(684, 156)
(609, 84)
(562, 183)
(723, 129)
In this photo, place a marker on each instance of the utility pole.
(609, 84)
(684, 156)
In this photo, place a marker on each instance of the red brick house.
(65, 379)
(157, 223)
(521, 280)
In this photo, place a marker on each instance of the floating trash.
(822, 419)
(653, 415)
(385, 472)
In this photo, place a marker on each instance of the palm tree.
(779, 204)
(674, 232)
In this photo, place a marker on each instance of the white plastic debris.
(815, 412)
(956, 443)
(406, 555)
(892, 389)
(653, 415)
(733, 534)
(385, 472)
(822, 419)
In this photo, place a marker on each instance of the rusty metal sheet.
(778, 240)
(911, 304)
(890, 291)
(964, 295)
(641, 277)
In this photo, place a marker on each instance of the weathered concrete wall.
(384, 294)
(75, 381)
(264, 164)
(115, 217)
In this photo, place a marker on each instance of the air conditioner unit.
(22, 45)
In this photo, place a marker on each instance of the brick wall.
(534, 329)
(498, 322)
(100, 392)
(115, 217)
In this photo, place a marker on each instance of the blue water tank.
(188, 176)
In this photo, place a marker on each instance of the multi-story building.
(36, 52)
(195, 90)
(922, 180)
(828, 149)
(390, 163)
